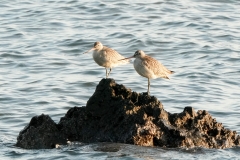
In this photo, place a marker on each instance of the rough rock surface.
(40, 133)
(116, 114)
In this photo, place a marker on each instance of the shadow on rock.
(116, 114)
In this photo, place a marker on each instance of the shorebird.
(149, 67)
(106, 57)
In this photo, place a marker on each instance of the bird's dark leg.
(148, 86)
(109, 71)
(106, 73)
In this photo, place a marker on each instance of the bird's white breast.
(100, 58)
(143, 70)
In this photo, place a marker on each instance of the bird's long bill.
(89, 50)
(126, 58)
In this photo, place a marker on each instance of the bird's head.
(96, 46)
(139, 54)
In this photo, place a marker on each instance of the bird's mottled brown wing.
(112, 55)
(157, 68)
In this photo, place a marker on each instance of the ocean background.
(43, 68)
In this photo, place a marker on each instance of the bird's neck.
(142, 57)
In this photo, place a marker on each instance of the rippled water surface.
(43, 70)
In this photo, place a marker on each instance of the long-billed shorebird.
(106, 57)
(149, 67)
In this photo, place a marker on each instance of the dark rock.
(41, 133)
(116, 114)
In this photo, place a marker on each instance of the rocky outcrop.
(42, 132)
(116, 114)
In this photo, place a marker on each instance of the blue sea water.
(43, 70)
